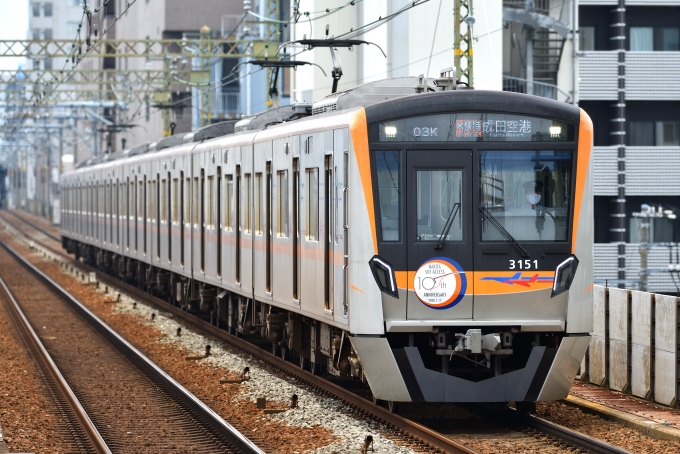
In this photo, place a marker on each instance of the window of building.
(282, 204)
(667, 133)
(312, 204)
(587, 38)
(35, 7)
(670, 39)
(36, 33)
(641, 133)
(650, 133)
(72, 28)
(641, 39)
(47, 33)
(47, 8)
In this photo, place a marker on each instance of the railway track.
(124, 402)
(420, 432)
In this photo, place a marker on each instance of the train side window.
(246, 203)
(151, 202)
(195, 202)
(210, 206)
(228, 202)
(387, 164)
(163, 200)
(282, 204)
(140, 200)
(312, 204)
(175, 201)
(258, 203)
(187, 208)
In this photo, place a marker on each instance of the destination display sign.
(475, 127)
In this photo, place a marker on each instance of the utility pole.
(462, 42)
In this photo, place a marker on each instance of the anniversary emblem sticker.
(440, 283)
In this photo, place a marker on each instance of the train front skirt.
(399, 375)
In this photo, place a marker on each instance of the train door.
(210, 235)
(229, 223)
(281, 244)
(313, 227)
(197, 168)
(439, 235)
(245, 252)
(262, 166)
(338, 254)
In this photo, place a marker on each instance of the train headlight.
(384, 276)
(564, 274)
(390, 131)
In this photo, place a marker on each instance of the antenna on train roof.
(332, 44)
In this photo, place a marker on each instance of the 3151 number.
(523, 264)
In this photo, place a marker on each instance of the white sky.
(13, 25)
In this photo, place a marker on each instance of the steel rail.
(573, 438)
(428, 436)
(400, 424)
(48, 366)
(33, 225)
(142, 362)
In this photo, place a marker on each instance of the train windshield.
(527, 192)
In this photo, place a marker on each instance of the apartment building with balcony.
(650, 80)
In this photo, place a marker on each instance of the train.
(432, 240)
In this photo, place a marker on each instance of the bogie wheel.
(275, 349)
(283, 352)
(393, 406)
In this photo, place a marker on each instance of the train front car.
(480, 204)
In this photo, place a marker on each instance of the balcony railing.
(535, 88)
(539, 5)
(226, 104)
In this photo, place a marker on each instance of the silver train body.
(316, 232)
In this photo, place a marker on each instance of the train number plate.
(525, 264)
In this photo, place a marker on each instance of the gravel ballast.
(319, 424)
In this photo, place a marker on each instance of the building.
(629, 83)
(55, 19)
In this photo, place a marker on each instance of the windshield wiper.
(487, 214)
(447, 226)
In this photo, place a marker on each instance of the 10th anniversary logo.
(440, 283)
